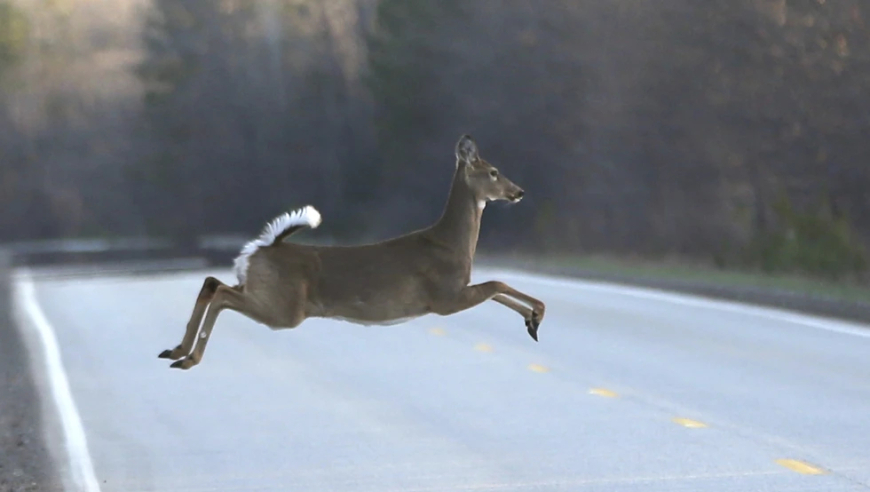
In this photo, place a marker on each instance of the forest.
(733, 132)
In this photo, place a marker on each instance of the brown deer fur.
(422, 272)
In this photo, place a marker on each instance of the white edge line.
(81, 466)
(836, 326)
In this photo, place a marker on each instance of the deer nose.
(517, 196)
(520, 193)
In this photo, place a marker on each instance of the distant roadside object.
(426, 271)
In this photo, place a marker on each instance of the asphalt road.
(467, 402)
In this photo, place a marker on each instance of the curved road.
(628, 390)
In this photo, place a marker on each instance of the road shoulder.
(26, 463)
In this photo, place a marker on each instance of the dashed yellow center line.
(482, 347)
(692, 424)
(538, 368)
(800, 467)
(603, 392)
(438, 332)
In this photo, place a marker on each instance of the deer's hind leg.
(248, 304)
(209, 287)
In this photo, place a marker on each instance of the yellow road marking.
(692, 424)
(603, 392)
(538, 368)
(482, 347)
(800, 467)
(437, 332)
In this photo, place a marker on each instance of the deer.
(427, 271)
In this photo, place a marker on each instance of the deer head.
(484, 180)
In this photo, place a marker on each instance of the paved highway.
(627, 390)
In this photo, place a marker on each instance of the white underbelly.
(388, 322)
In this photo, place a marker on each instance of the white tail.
(279, 228)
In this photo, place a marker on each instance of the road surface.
(627, 390)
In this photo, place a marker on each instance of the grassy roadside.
(845, 300)
(672, 270)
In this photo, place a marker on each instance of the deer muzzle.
(516, 196)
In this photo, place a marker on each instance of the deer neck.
(459, 224)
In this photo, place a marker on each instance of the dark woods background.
(729, 131)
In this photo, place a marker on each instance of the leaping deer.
(427, 271)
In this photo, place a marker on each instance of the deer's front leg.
(473, 295)
(525, 311)
(537, 311)
(532, 319)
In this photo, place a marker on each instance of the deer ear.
(466, 149)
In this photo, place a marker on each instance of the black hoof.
(532, 327)
(179, 364)
(166, 354)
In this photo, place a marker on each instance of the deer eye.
(493, 174)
